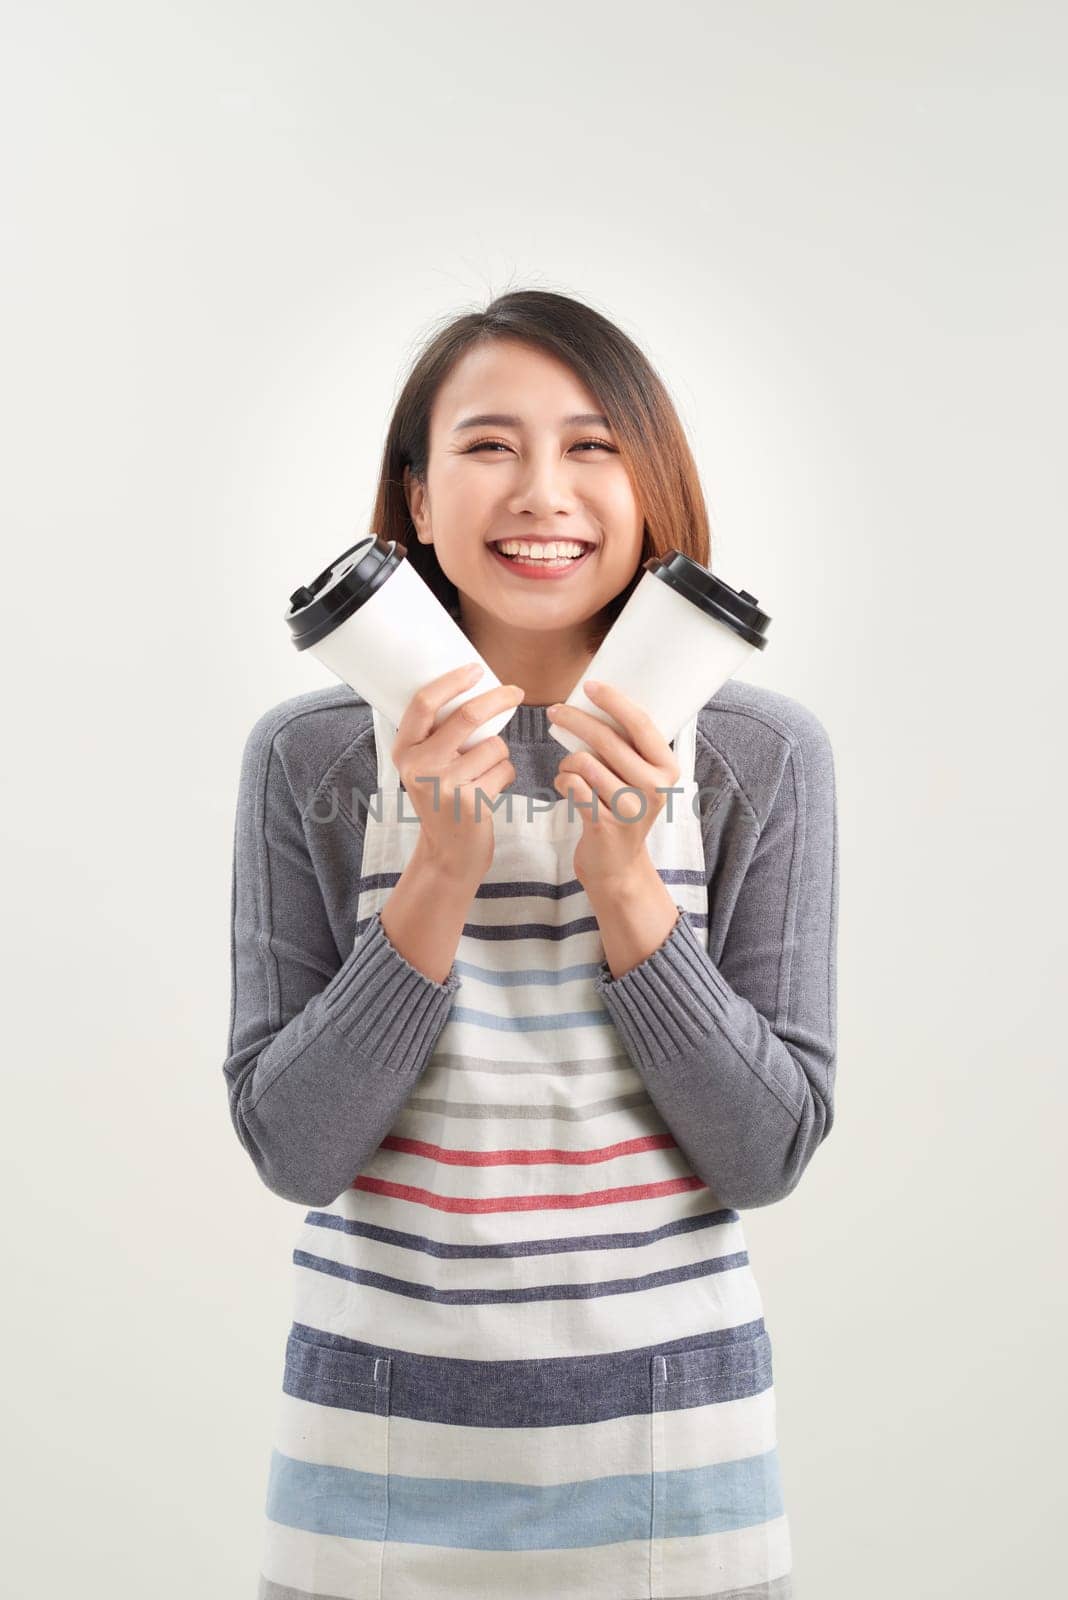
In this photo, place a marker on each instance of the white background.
(839, 232)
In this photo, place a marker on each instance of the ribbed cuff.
(669, 1001)
(389, 1009)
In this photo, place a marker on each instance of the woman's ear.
(418, 507)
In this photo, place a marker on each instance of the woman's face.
(543, 468)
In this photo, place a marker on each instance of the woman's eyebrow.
(502, 419)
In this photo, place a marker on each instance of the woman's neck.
(546, 664)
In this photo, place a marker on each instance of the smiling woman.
(557, 513)
(594, 452)
(526, 1069)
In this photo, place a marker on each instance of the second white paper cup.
(679, 637)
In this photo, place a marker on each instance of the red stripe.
(528, 1202)
(527, 1158)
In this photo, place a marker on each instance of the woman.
(526, 1066)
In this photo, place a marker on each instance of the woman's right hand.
(455, 833)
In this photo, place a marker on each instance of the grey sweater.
(330, 1026)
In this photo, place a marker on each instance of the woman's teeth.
(557, 554)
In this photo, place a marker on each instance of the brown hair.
(648, 430)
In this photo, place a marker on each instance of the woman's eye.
(490, 444)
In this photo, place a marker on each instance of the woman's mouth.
(553, 560)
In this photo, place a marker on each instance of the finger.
(473, 798)
(478, 762)
(443, 743)
(442, 740)
(647, 738)
(497, 778)
(591, 805)
(581, 795)
(418, 717)
(473, 766)
(614, 795)
(606, 741)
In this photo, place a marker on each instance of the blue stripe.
(534, 888)
(549, 1023)
(532, 975)
(476, 1514)
(328, 1500)
(690, 1501)
(542, 1066)
(539, 930)
(636, 1240)
(538, 1292)
(700, 1369)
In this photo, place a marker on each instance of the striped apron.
(528, 1354)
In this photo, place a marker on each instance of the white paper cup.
(371, 619)
(679, 637)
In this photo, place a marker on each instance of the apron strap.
(385, 733)
(684, 745)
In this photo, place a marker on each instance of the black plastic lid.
(734, 607)
(315, 609)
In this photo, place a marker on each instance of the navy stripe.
(537, 1292)
(553, 1391)
(538, 930)
(519, 1247)
(518, 888)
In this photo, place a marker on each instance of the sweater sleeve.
(324, 1047)
(739, 1057)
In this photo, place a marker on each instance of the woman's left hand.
(611, 852)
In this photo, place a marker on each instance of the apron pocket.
(329, 1480)
(715, 1468)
